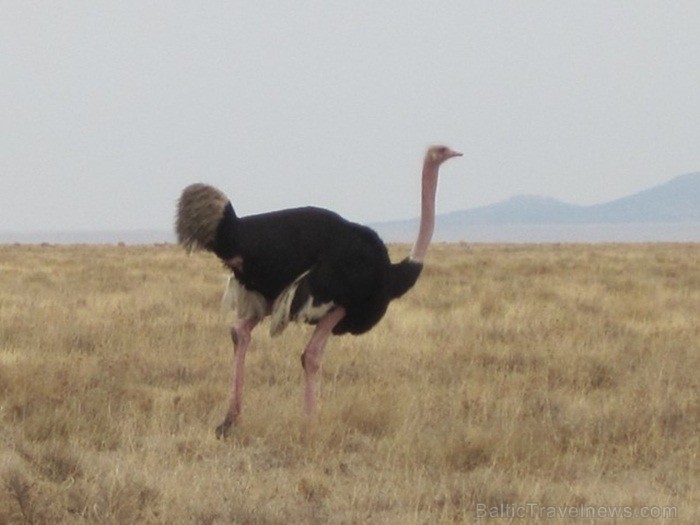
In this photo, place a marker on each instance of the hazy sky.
(109, 108)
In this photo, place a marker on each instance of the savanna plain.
(561, 376)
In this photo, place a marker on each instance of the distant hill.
(676, 201)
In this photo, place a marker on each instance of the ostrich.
(306, 265)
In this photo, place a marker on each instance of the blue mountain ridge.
(677, 200)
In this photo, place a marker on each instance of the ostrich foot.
(224, 429)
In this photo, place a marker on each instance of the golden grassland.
(566, 376)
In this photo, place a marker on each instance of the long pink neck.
(427, 216)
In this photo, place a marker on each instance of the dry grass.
(561, 375)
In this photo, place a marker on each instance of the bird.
(306, 265)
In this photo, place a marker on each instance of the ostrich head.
(438, 154)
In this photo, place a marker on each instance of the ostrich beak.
(453, 153)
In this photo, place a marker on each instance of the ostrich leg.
(240, 335)
(311, 358)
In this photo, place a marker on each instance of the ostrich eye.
(442, 149)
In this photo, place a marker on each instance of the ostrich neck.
(427, 216)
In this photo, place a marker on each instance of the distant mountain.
(521, 209)
(676, 201)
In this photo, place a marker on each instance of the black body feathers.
(347, 263)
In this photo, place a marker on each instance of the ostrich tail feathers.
(199, 212)
(402, 277)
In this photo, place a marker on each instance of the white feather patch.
(249, 304)
(228, 299)
(313, 314)
(308, 313)
(282, 306)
